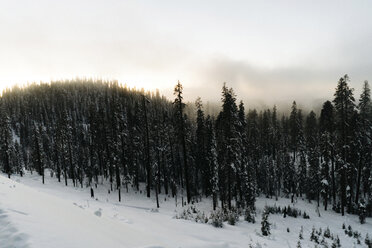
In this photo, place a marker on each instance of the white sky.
(268, 51)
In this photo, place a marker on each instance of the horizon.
(210, 106)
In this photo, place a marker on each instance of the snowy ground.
(52, 215)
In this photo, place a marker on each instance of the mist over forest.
(190, 124)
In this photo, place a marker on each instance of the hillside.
(53, 215)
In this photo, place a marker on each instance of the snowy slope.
(50, 221)
(52, 215)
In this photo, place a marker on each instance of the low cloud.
(261, 87)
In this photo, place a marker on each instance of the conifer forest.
(87, 132)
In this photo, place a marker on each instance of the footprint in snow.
(9, 235)
(80, 206)
(116, 216)
(18, 212)
(98, 212)
(126, 221)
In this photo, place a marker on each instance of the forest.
(90, 131)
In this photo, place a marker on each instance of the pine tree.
(201, 146)
(294, 126)
(336, 242)
(313, 156)
(147, 146)
(364, 140)
(276, 137)
(327, 151)
(6, 138)
(17, 159)
(344, 110)
(265, 225)
(246, 171)
(296, 143)
(362, 212)
(37, 151)
(253, 149)
(300, 235)
(212, 160)
(298, 244)
(117, 143)
(367, 241)
(228, 123)
(242, 158)
(314, 237)
(62, 140)
(179, 110)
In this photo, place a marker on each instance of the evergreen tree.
(246, 170)
(201, 146)
(344, 110)
(265, 225)
(147, 146)
(327, 151)
(364, 140)
(180, 123)
(37, 151)
(211, 159)
(228, 123)
(7, 146)
(294, 126)
(313, 157)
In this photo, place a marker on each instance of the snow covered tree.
(265, 225)
(201, 146)
(364, 141)
(6, 139)
(295, 128)
(344, 110)
(211, 159)
(367, 241)
(362, 212)
(180, 123)
(145, 101)
(313, 156)
(38, 151)
(17, 159)
(336, 242)
(327, 152)
(230, 155)
(301, 234)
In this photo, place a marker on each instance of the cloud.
(270, 52)
(263, 87)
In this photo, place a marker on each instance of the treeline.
(89, 131)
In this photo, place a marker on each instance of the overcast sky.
(268, 51)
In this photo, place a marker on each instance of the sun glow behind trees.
(267, 51)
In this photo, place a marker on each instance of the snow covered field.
(53, 215)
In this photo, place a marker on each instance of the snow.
(325, 182)
(56, 216)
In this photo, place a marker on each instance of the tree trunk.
(358, 181)
(333, 182)
(147, 142)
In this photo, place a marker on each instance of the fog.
(270, 52)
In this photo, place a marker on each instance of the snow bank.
(33, 215)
